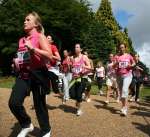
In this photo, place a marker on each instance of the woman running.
(88, 80)
(66, 70)
(111, 80)
(80, 67)
(53, 66)
(138, 75)
(100, 76)
(32, 75)
(124, 64)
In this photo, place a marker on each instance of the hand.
(28, 44)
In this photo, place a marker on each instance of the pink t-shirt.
(34, 61)
(52, 63)
(123, 64)
(100, 72)
(111, 71)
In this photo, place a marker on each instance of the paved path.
(98, 119)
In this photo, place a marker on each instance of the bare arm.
(87, 63)
(44, 51)
(57, 56)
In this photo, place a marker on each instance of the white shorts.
(112, 82)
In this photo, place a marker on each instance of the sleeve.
(54, 48)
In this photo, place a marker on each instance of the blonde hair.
(99, 64)
(38, 21)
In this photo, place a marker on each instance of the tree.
(98, 41)
(65, 20)
(105, 15)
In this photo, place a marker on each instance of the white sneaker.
(47, 134)
(25, 131)
(124, 111)
(101, 93)
(106, 101)
(79, 112)
(88, 100)
(83, 96)
(118, 100)
(132, 99)
(138, 100)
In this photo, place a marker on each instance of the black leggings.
(54, 81)
(77, 89)
(135, 88)
(100, 82)
(19, 92)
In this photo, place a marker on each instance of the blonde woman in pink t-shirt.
(32, 53)
(124, 64)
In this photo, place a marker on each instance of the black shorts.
(87, 85)
(77, 89)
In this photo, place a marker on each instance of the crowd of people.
(39, 69)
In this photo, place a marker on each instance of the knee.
(13, 104)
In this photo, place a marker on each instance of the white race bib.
(23, 57)
(77, 69)
(123, 64)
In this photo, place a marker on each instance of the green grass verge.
(7, 82)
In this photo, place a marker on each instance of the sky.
(135, 15)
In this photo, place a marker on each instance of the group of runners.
(38, 67)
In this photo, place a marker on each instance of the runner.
(138, 75)
(53, 67)
(66, 69)
(124, 64)
(32, 51)
(111, 80)
(80, 66)
(88, 81)
(100, 76)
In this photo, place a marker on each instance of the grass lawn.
(7, 82)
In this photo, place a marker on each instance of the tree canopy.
(68, 21)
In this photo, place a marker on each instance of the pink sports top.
(25, 58)
(111, 71)
(78, 67)
(123, 62)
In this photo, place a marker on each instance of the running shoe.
(138, 100)
(47, 134)
(25, 131)
(106, 101)
(88, 100)
(118, 100)
(79, 112)
(124, 111)
(101, 93)
(132, 99)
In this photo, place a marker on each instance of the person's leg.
(133, 89)
(19, 92)
(138, 85)
(88, 89)
(116, 88)
(66, 80)
(79, 90)
(108, 93)
(41, 108)
(126, 83)
(100, 82)
(54, 81)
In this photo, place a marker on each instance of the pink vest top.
(77, 67)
